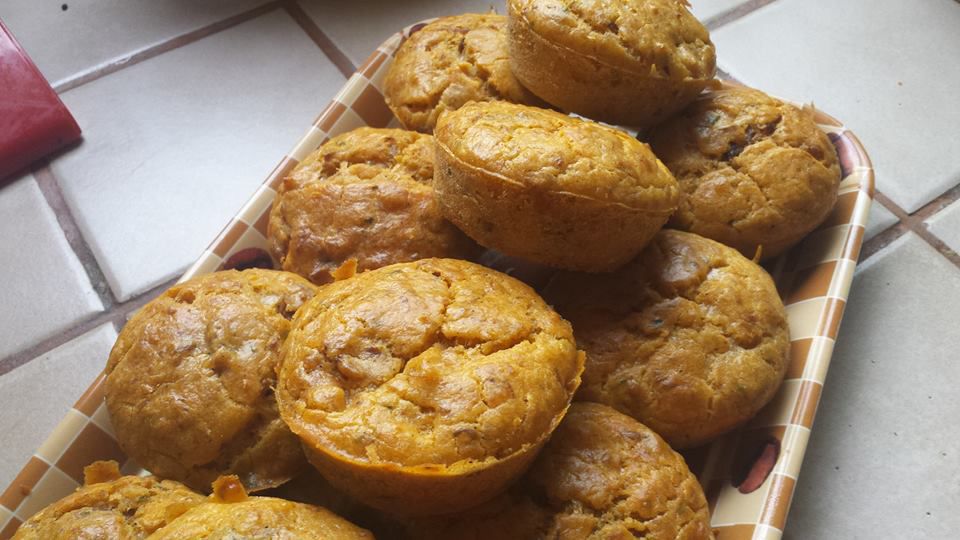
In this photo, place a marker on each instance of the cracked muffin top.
(753, 170)
(602, 475)
(658, 38)
(689, 338)
(190, 379)
(438, 364)
(447, 63)
(230, 513)
(365, 152)
(551, 152)
(366, 195)
(111, 506)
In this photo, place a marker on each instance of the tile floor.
(186, 107)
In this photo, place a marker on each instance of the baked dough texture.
(110, 506)
(235, 516)
(632, 63)
(690, 338)
(426, 387)
(603, 475)
(190, 380)
(754, 171)
(549, 188)
(448, 63)
(367, 195)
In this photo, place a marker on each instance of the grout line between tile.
(881, 240)
(164, 46)
(54, 197)
(893, 207)
(914, 222)
(938, 244)
(326, 44)
(735, 13)
(116, 315)
(944, 200)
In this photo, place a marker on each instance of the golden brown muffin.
(366, 194)
(230, 514)
(190, 380)
(109, 506)
(632, 63)
(426, 387)
(546, 187)
(754, 171)
(447, 63)
(603, 475)
(690, 338)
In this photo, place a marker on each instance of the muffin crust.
(602, 475)
(621, 62)
(690, 338)
(111, 506)
(556, 190)
(425, 387)
(366, 194)
(447, 63)
(190, 379)
(754, 171)
(231, 514)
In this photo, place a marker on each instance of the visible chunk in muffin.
(632, 63)
(602, 475)
(448, 63)
(552, 189)
(111, 506)
(190, 380)
(689, 338)
(426, 387)
(754, 171)
(366, 195)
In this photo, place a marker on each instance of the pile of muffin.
(441, 398)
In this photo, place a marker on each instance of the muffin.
(426, 387)
(690, 338)
(632, 63)
(367, 195)
(754, 171)
(232, 514)
(549, 188)
(447, 63)
(603, 475)
(111, 506)
(190, 380)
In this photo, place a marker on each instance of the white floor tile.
(36, 396)
(359, 27)
(946, 225)
(174, 145)
(88, 33)
(880, 220)
(884, 453)
(43, 287)
(704, 9)
(884, 67)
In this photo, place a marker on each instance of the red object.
(761, 468)
(33, 120)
